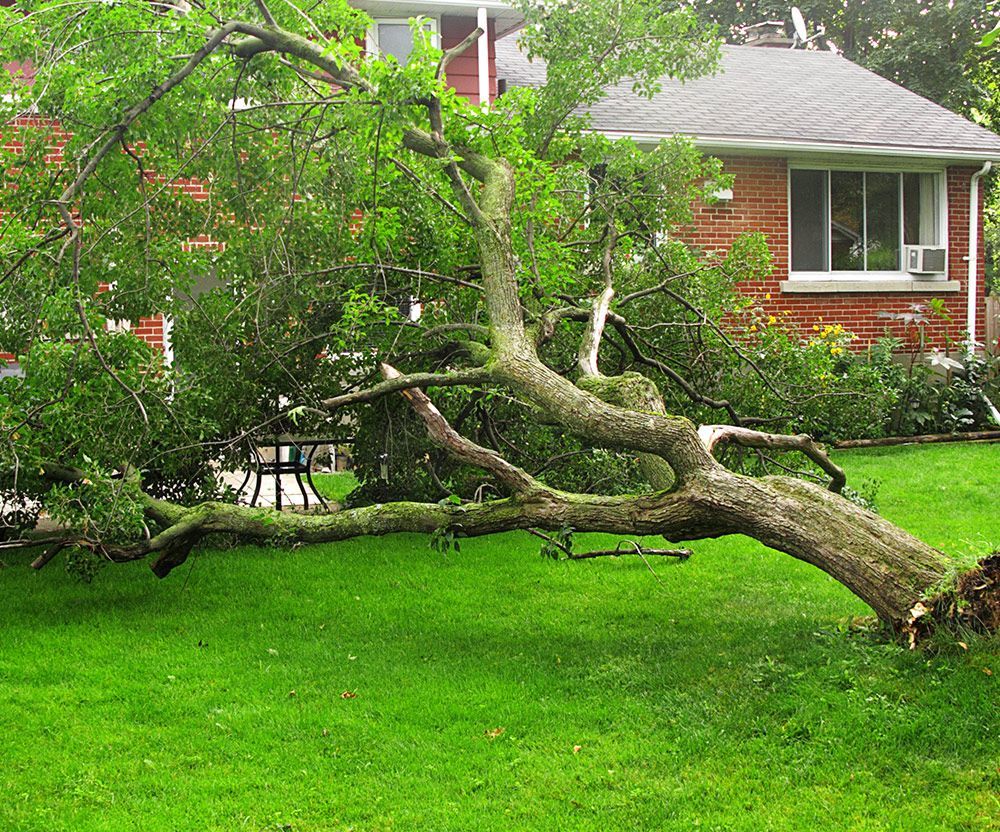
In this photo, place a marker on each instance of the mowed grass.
(377, 685)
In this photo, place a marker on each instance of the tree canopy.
(929, 47)
(561, 319)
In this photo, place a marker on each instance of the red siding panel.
(463, 72)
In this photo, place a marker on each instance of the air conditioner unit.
(926, 260)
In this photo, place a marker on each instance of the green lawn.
(377, 685)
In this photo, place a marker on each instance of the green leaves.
(990, 37)
(445, 539)
(558, 544)
(591, 46)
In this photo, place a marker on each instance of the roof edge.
(734, 143)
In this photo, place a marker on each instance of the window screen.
(809, 203)
(395, 39)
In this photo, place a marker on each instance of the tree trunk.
(889, 569)
(634, 392)
(903, 579)
(883, 565)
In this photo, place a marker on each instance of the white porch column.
(482, 21)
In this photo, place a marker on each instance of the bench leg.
(309, 477)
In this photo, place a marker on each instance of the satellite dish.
(799, 22)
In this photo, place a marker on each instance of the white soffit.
(505, 18)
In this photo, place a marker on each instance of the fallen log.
(924, 439)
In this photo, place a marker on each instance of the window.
(393, 36)
(859, 221)
(10, 368)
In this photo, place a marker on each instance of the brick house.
(849, 175)
(868, 193)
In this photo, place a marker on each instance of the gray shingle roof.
(763, 95)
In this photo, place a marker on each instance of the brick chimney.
(770, 33)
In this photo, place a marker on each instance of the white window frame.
(371, 37)
(866, 276)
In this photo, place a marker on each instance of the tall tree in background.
(928, 46)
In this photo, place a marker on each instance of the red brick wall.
(760, 203)
(13, 137)
(150, 330)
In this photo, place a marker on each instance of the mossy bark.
(635, 392)
(886, 567)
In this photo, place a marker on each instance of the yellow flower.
(836, 350)
(771, 320)
(753, 328)
(815, 327)
(767, 296)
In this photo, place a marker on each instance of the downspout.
(483, 47)
(973, 283)
(973, 258)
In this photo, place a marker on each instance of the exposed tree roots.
(972, 605)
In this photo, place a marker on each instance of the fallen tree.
(547, 255)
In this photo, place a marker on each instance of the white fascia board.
(777, 146)
(492, 5)
(507, 19)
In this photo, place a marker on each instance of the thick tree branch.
(458, 378)
(446, 437)
(675, 516)
(590, 343)
(715, 435)
(260, 39)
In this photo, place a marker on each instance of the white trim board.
(790, 147)
(881, 286)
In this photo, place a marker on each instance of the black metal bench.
(304, 449)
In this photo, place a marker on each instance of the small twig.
(398, 383)
(680, 554)
(548, 539)
(265, 12)
(642, 552)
